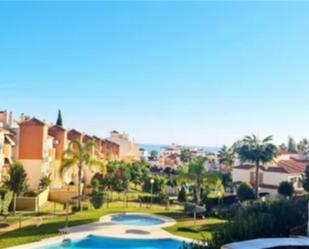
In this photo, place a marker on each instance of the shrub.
(96, 182)
(273, 218)
(245, 192)
(97, 200)
(286, 189)
(45, 182)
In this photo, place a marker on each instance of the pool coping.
(167, 221)
(105, 228)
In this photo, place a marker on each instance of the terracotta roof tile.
(31, 121)
(291, 166)
(56, 127)
(245, 166)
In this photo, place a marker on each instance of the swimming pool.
(136, 220)
(98, 242)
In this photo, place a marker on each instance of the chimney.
(10, 121)
(22, 117)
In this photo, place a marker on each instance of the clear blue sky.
(201, 73)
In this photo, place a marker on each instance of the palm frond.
(70, 153)
(66, 165)
(98, 164)
(267, 139)
(89, 146)
(77, 144)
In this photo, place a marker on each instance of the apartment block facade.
(36, 150)
(40, 148)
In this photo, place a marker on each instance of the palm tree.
(80, 155)
(196, 172)
(282, 148)
(17, 181)
(226, 156)
(292, 145)
(257, 151)
(303, 146)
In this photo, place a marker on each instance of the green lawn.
(199, 230)
(51, 225)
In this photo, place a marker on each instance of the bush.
(226, 212)
(274, 218)
(286, 189)
(96, 182)
(97, 200)
(45, 182)
(245, 192)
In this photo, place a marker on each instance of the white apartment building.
(128, 150)
(270, 177)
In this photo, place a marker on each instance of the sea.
(159, 147)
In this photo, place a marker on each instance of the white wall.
(274, 178)
(127, 148)
(270, 178)
(241, 175)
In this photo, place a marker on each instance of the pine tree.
(292, 145)
(59, 119)
(182, 195)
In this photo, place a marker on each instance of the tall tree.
(282, 148)
(185, 155)
(257, 151)
(81, 156)
(122, 177)
(17, 181)
(227, 157)
(291, 145)
(136, 172)
(303, 146)
(195, 172)
(154, 155)
(59, 121)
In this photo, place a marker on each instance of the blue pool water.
(97, 242)
(136, 220)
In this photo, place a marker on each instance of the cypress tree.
(59, 119)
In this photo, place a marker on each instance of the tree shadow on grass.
(48, 228)
(201, 228)
(174, 215)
